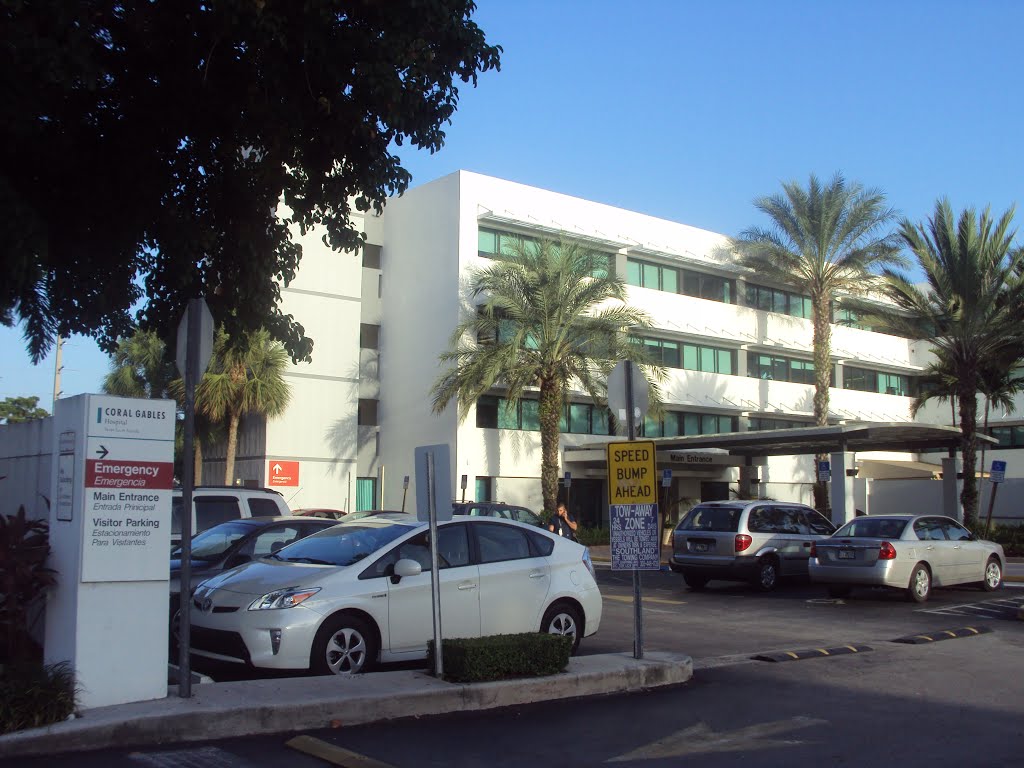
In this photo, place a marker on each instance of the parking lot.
(729, 622)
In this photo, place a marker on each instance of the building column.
(951, 488)
(842, 498)
(741, 360)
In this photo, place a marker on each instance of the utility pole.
(58, 366)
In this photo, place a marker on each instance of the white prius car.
(359, 593)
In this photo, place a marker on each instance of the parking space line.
(629, 599)
(333, 754)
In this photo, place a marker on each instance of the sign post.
(434, 503)
(824, 472)
(995, 477)
(195, 347)
(632, 493)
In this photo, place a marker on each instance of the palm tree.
(245, 377)
(552, 318)
(825, 239)
(140, 367)
(970, 311)
(938, 382)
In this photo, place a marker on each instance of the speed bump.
(812, 653)
(942, 634)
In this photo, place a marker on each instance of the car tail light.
(814, 549)
(742, 541)
(886, 551)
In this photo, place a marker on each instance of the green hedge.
(1010, 536)
(590, 537)
(503, 657)
(33, 695)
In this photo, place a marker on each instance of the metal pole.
(435, 589)
(991, 505)
(638, 615)
(188, 479)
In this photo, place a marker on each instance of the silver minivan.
(755, 541)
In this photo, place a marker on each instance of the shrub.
(24, 547)
(590, 537)
(33, 695)
(1010, 536)
(503, 657)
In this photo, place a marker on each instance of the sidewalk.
(226, 710)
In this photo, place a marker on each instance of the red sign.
(282, 472)
(116, 473)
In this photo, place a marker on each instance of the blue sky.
(688, 110)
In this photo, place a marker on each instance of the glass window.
(669, 280)
(270, 540)
(634, 272)
(691, 424)
(725, 361)
(955, 532)
(929, 529)
(501, 542)
(366, 493)
(762, 520)
(263, 508)
(793, 521)
(508, 415)
(531, 415)
(212, 510)
(371, 256)
(872, 528)
(487, 241)
(817, 523)
(487, 412)
(650, 276)
(718, 519)
(212, 543)
(579, 418)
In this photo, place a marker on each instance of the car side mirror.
(405, 567)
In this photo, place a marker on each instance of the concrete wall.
(25, 466)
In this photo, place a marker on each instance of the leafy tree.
(146, 147)
(15, 410)
(245, 377)
(970, 311)
(551, 318)
(140, 367)
(824, 239)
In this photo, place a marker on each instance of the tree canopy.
(15, 410)
(145, 146)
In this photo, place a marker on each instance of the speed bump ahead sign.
(632, 473)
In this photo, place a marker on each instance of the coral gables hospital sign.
(129, 473)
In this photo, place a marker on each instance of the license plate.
(700, 547)
(846, 554)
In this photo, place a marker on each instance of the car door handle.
(467, 585)
(930, 547)
(538, 575)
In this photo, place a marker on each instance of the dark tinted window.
(792, 521)
(541, 546)
(502, 542)
(452, 548)
(211, 510)
(212, 543)
(722, 519)
(818, 523)
(263, 508)
(955, 531)
(765, 520)
(270, 540)
(929, 529)
(871, 528)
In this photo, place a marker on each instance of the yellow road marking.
(822, 651)
(333, 754)
(624, 599)
(850, 647)
(924, 637)
(793, 655)
(972, 630)
(950, 632)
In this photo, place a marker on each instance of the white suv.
(212, 505)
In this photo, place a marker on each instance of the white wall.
(25, 451)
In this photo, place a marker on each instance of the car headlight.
(288, 597)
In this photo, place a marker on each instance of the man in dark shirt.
(564, 524)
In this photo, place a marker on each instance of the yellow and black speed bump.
(811, 653)
(942, 634)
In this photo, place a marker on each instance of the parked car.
(233, 543)
(330, 514)
(214, 504)
(909, 552)
(755, 541)
(359, 593)
(497, 509)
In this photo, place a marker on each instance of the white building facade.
(738, 351)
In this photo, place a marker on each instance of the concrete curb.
(226, 710)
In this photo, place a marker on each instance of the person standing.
(564, 524)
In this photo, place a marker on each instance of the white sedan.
(359, 593)
(908, 552)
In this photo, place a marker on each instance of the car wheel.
(693, 581)
(838, 590)
(993, 575)
(564, 619)
(344, 645)
(767, 577)
(920, 584)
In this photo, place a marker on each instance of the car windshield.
(344, 544)
(724, 519)
(214, 542)
(869, 528)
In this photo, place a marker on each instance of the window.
(268, 542)
(482, 489)
(955, 532)
(366, 493)
(719, 519)
(661, 277)
(263, 508)
(367, 413)
(759, 423)
(493, 412)
(866, 380)
(676, 423)
(792, 520)
(817, 523)
(213, 510)
(371, 256)
(776, 368)
(929, 529)
(500, 542)
(691, 357)
(1008, 437)
(764, 520)
(775, 300)
(369, 336)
